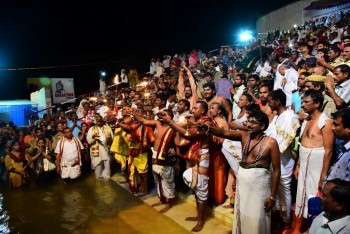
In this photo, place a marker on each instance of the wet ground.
(84, 206)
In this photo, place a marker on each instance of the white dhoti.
(103, 170)
(166, 185)
(253, 188)
(70, 172)
(311, 163)
(284, 195)
(201, 188)
(101, 164)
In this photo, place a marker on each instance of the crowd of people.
(266, 137)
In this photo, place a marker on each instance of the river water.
(84, 206)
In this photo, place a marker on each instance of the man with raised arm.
(188, 92)
(255, 197)
(196, 176)
(163, 158)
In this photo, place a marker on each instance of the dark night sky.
(124, 34)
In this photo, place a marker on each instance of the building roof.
(322, 4)
(16, 102)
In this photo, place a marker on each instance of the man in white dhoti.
(196, 176)
(163, 158)
(283, 128)
(255, 194)
(68, 159)
(315, 152)
(100, 138)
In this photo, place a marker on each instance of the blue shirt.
(341, 167)
(321, 225)
(223, 86)
(76, 130)
(296, 101)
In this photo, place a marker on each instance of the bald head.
(319, 70)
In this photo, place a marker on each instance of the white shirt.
(152, 68)
(102, 110)
(264, 70)
(166, 62)
(278, 79)
(291, 76)
(70, 153)
(235, 108)
(124, 78)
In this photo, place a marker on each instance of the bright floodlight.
(295, 25)
(246, 36)
(103, 73)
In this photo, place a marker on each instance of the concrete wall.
(284, 18)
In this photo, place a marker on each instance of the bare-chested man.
(264, 91)
(217, 112)
(163, 158)
(255, 196)
(315, 152)
(196, 176)
(210, 97)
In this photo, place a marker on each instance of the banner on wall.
(62, 89)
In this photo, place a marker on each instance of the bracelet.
(272, 198)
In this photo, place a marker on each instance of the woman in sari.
(85, 153)
(42, 170)
(16, 165)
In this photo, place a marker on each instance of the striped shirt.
(343, 91)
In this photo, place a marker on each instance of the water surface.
(85, 206)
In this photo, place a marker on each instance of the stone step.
(219, 219)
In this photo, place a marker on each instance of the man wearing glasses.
(256, 193)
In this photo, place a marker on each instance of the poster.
(62, 89)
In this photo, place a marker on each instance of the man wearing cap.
(317, 82)
(339, 85)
